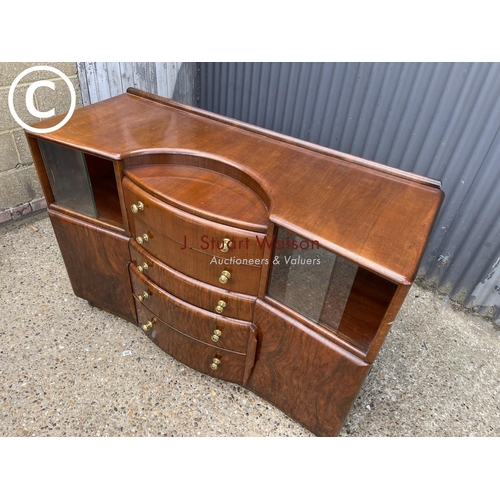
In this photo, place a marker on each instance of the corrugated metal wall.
(101, 80)
(436, 119)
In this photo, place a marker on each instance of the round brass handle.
(224, 277)
(220, 306)
(215, 363)
(143, 267)
(143, 296)
(216, 336)
(226, 245)
(147, 326)
(142, 239)
(135, 208)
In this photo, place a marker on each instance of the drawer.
(230, 366)
(201, 266)
(209, 327)
(239, 306)
(187, 229)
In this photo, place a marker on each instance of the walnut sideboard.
(245, 254)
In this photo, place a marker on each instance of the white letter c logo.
(30, 95)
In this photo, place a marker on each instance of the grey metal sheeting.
(436, 119)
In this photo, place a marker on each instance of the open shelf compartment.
(328, 289)
(81, 182)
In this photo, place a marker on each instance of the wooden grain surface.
(200, 265)
(105, 189)
(368, 301)
(97, 263)
(190, 320)
(372, 216)
(188, 230)
(306, 376)
(203, 192)
(239, 306)
(202, 160)
(193, 353)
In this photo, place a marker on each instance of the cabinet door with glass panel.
(82, 183)
(328, 289)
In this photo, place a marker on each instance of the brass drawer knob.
(220, 306)
(142, 239)
(215, 363)
(143, 296)
(226, 245)
(147, 326)
(135, 208)
(216, 336)
(143, 267)
(224, 277)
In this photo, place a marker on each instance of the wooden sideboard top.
(377, 216)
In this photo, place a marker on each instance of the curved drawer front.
(199, 265)
(189, 230)
(238, 306)
(209, 327)
(230, 366)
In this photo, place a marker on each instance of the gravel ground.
(65, 370)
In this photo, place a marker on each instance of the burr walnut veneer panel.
(308, 377)
(97, 264)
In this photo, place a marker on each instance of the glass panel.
(310, 280)
(68, 177)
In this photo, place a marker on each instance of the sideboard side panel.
(305, 375)
(97, 264)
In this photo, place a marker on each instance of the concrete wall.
(20, 191)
